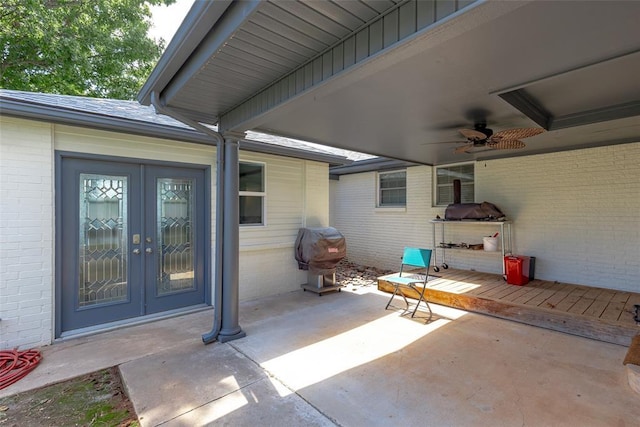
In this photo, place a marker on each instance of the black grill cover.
(480, 211)
(319, 250)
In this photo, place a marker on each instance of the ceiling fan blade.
(463, 149)
(507, 144)
(473, 135)
(517, 133)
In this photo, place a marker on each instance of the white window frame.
(379, 190)
(436, 187)
(262, 194)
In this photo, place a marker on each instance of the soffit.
(273, 38)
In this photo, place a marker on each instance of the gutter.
(212, 335)
(23, 109)
(51, 113)
(370, 165)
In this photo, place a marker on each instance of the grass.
(96, 399)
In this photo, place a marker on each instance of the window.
(445, 176)
(392, 188)
(252, 193)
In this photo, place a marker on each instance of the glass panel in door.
(100, 261)
(103, 240)
(175, 235)
(132, 241)
(174, 227)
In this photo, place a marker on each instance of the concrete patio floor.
(341, 359)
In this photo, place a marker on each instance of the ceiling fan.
(482, 136)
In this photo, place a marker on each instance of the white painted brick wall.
(26, 233)
(377, 236)
(316, 199)
(267, 264)
(269, 271)
(577, 212)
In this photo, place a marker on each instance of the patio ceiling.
(398, 78)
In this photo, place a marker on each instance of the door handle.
(148, 250)
(136, 251)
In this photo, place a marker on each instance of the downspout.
(212, 335)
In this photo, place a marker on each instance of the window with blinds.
(392, 189)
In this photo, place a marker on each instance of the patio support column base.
(226, 338)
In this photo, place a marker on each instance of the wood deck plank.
(544, 284)
(606, 294)
(596, 308)
(613, 311)
(581, 306)
(621, 297)
(524, 290)
(540, 298)
(487, 280)
(574, 296)
(596, 313)
(486, 286)
(593, 293)
(558, 295)
(495, 291)
(523, 299)
(567, 302)
(506, 292)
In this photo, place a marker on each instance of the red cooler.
(517, 268)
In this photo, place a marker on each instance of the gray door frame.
(59, 249)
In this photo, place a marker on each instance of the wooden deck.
(596, 313)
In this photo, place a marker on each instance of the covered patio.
(399, 79)
(344, 360)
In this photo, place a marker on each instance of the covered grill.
(318, 251)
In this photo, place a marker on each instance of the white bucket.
(490, 244)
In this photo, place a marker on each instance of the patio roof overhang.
(396, 78)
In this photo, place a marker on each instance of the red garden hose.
(15, 365)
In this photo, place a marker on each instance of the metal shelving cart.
(503, 227)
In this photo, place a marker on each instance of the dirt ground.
(96, 399)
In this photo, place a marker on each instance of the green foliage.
(97, 48)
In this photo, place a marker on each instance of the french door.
(132, 241)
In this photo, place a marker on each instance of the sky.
(167, 19)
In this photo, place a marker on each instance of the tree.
(97, 48)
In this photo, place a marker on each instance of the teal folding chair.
(415, 280)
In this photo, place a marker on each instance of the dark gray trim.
(208, 217)
(235, 15)
(54, 114)
(194, 28)
(133, 160)
(521, 100)
(60, 155)
(57, 201)
(49, 113)
(262, 147)
(506, 154)
(370, 165)
(614, 112)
